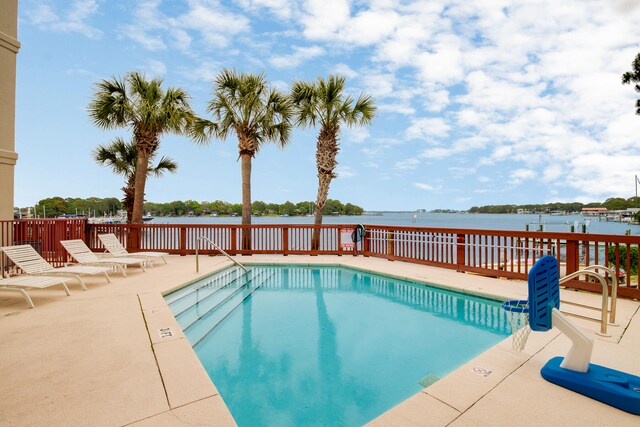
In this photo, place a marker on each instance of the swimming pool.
(304, 345)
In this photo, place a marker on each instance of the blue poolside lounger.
(615, 388)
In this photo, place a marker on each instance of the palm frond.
(202, 130)
(110, 107)
(165, 165)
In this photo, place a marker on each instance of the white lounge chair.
(30, 261)
(19, 283)
(115, 248)
(79, 250)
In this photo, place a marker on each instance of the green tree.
(258, 207)
(333, 207)
(634, 76)
(51, 207)
(237, 209)
(142, 105)
(287, 208)
(324, 103)
(615, 204)
(219, 207)
(350, 209)
(194, 207)
(122, 158)
(273, 208)
(305, 208)
(177, 208)
(245, 104)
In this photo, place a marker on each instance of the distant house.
(593, 211)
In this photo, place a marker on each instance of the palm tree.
(634, 76)
(248, 106)
(122, 157)
(324, 103)
(149, 111)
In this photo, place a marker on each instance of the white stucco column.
(9, 47)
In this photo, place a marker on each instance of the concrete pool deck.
(114, 356)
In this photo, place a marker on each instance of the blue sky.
(479, 102)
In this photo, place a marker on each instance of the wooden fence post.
(234, 241)
(133, 242)
(87, 233)
(183, 241)
(366, 244)
(572, 257)
(390, 245)
(460, 252)
(285, 241)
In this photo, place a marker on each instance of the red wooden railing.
(43, 234)
(495, 253)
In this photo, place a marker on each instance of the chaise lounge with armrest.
(81, 253)
(115, 248)
(21, 283)
(30, 261)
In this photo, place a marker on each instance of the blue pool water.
(327, 346)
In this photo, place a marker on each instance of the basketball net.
(520, 329)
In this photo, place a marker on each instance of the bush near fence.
(633, 261)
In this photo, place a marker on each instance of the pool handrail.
(200, 238)
(605, 295)
(614, 288)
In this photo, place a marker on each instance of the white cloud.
(369, 26)
(344, 70)
(407, 164)
(442, 66)
(322, 18)
(520, 175)
(208, 19)
(73, 20)
(427, 187)
(205, 71)
(155, 67)
(459, 172)
(356, 134)
(427, 128)
(437, 153)
(281, 85)
(378, 85)
(397, 108)
(345, 172)
(299, 55)
(213, 22)
(283, 9)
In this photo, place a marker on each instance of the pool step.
(210, 299)
(199, 328)
(197, 297)
(216, 278)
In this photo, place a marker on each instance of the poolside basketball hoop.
(518, 315)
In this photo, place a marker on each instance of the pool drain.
(428, 380)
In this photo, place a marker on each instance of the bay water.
(558, 223)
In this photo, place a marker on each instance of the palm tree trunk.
(142, 166)
(324, 180)
(246, 200)
(326, 153)
(129, 195)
